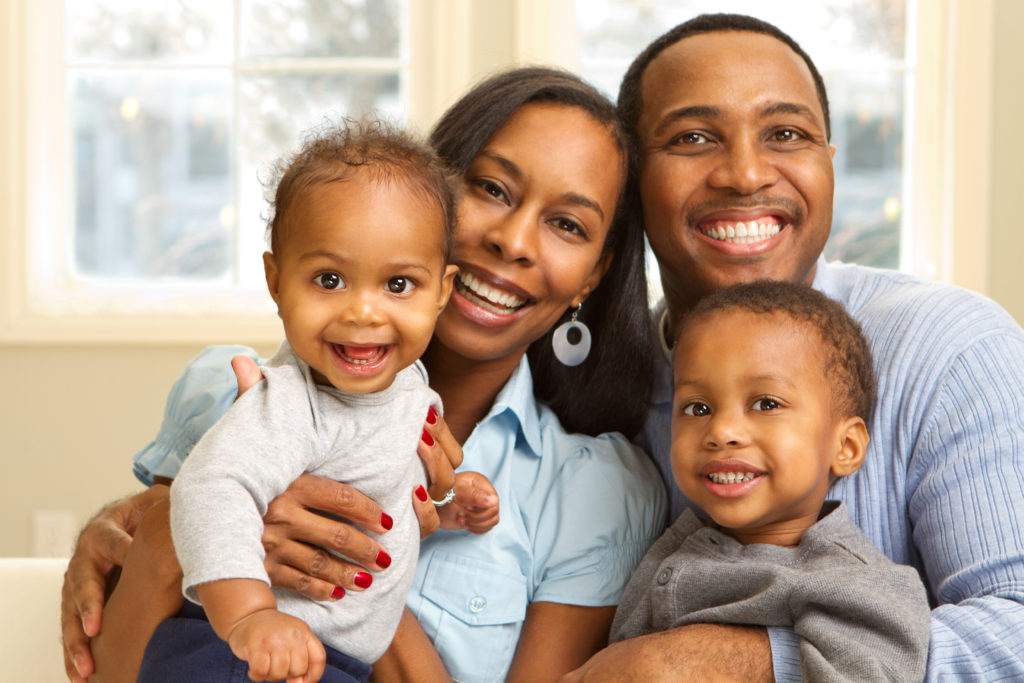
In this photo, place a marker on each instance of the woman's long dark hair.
(611, 389)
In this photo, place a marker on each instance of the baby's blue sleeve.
(201, 395)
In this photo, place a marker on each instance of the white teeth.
(731, 477)
(493, 299)
(743, 233)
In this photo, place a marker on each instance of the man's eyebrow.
(695, 111)
(787, 108)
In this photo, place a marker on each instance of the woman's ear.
(594, 279)
(273, 277)
(853, 446)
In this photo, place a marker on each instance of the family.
(788, 469)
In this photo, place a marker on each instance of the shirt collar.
(516, 398)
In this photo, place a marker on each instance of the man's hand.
(475, 507)
(699, 652)
(100, 550)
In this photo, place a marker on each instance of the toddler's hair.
(334, 151)
(848, 363)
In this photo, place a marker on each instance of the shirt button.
(477, 604)
(663, 576)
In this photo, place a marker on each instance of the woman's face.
(537, 205)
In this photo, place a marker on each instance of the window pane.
(152, 173)
(179, 31)
(324, 28)
(859, 48)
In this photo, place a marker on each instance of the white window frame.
(453, 43)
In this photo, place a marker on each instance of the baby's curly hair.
(334, 151)
(848, 361)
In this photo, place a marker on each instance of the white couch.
(30, 647)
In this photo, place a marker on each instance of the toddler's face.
(755, 435)
(359, 279)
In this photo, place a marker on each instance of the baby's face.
(754, 431)
(359, 279)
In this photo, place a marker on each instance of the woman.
(540, 233)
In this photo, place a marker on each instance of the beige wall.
(1006, 240)
(71, 416)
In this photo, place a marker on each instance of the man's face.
(736, 171)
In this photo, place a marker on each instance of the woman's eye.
(329, 280)
(399, 285)
(569, 225)
(766, 404)
(696, 409)
(492, 189)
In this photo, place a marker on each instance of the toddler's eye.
(696, 409)
(766, 404)
(329, 280)
(399, 285)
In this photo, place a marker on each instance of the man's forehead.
(731, 62)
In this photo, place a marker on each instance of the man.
(731, 118)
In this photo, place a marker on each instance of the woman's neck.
(467, 387)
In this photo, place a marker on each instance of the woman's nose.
(514, 237)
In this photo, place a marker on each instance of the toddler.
(773, 389)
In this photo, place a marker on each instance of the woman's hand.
(100, 550)
(441, 453)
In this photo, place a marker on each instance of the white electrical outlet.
(53, 533)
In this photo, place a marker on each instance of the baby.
(360, 238)
(774, 387)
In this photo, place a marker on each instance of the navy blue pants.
(185, 648)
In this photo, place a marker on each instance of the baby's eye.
(399, 285)
(329, 280)
(696, 409)
(766, 403)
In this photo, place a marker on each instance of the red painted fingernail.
(338, 593)
(383, 560)
(421, 493)
(431, 416)
(362, 579)
(386, 521)
(427, 438)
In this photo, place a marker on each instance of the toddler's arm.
(244, 613)
(475, 506)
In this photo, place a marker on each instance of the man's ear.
(853, 446)
(273, 277)
(447, 282)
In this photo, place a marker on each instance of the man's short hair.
(631, 97)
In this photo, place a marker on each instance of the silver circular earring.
(571, 341)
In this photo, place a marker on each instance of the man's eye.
(399, 285)
(696, 409)
(690, 138)
(787, 135)
(329, 280)
(766, 404)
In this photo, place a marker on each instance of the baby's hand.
(475, 507)
(278, 646)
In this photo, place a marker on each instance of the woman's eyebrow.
(583, 200)
(505, 163)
